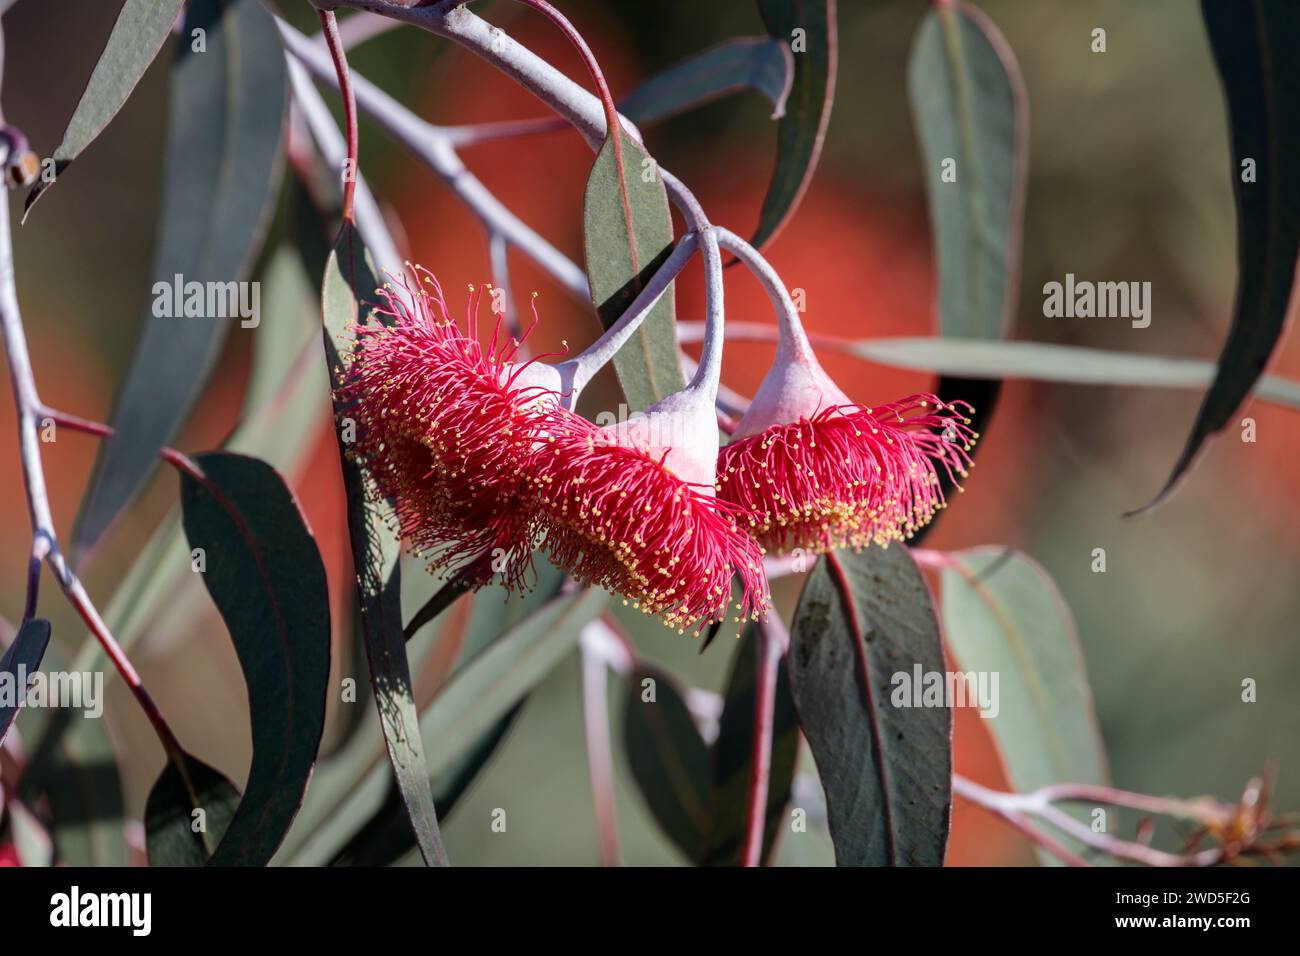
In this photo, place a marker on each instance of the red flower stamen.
(616, 516)
(447, 428)
(848, 475)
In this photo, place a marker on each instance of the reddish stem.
(44, 544)
(42, 548)
(589, 58)
(613, 127)
(769, 659)
(86, 610)
(1045, 840)
(76, 423)
(330, 27)
(595, 715)
(182, 463)
(88, 426)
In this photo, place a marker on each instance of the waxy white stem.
(793, 342)
(577, 372)
(330, 142)
(433, 147)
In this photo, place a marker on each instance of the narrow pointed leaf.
(19, 665)
(223, 162)
(886, 769)
(759, 63)
(968, 102)
(627, 235)
(349, 279)
(1254, 48)
(971, 115)
(1003, 615)
(137, 36)
(807, 28)
(1068, 364)
(443, 598)
(264, 573)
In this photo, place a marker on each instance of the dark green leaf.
(375, 552)
(1254, 48)
(808, 28)
(625, 244)
(138, 34)
(266, 577)
(174, 834)
(733, 759)
(222, 169)
(886, 769)
(669, 759)
(18, 666)
(756, 63)
(443, 598)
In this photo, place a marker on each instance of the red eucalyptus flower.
(810, 469)
(630, 508)
(482, 459)
(448, 428)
